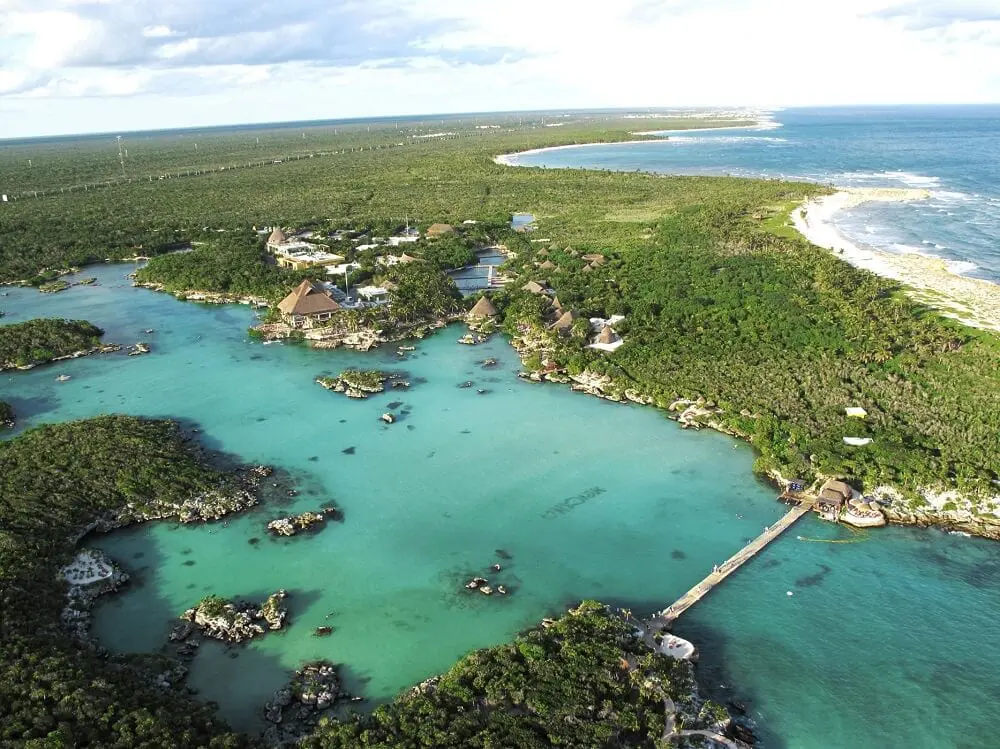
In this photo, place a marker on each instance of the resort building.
(534, 287)
(607, 340)
(373, 294)
(343, 269)
(297, 254)
(565, 323)
(835, 494)
(309, 304)
(303, 258)
(483, 310)
(390, 260)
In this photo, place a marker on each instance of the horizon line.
(264, 124)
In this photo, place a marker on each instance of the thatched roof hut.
(277, 237)
(607, 335)
(565, 322)
(483, 309)
(595, 258)
(308, 300)
(831, 498)
(547, 265)
(437, 230)
(533, 287)
(840, 487)
(588, 268)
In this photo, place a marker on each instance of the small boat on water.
(268, 343)
(960, 533)
(62, 378)
(388, 418)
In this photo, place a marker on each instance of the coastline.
(649, 136)
(930, 280)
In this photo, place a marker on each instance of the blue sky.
(106, 65)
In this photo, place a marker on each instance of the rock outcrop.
(231, 622)
(296, 708)
(294, 524)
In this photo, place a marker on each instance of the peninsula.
(29, 344)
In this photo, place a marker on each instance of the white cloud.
(147, 62)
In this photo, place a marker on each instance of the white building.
(342, 270)
(373, 294)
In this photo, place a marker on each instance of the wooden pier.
(665, 618)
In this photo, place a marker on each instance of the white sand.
(931, 280)
(508, 159)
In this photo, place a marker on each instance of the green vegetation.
(54, 691)
(585, 681)
(39, 341)
(449, 252)
(723, 300)
(235, 265)
(421, 291)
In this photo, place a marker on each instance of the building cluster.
(561, 319)
(297, 253)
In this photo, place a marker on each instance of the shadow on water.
(236, 679)
(714, 679)
(27, 408)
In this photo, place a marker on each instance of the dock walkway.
(667, 617)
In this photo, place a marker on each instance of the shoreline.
(507, 159)
(930, 280)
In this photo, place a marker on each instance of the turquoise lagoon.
(887, 641)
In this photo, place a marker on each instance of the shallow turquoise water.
(884, 643)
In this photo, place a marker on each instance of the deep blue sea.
(952, 151)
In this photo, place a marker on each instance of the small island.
(357, 383)
(232, 621)
(54, 287)
(307, 521)
(28, 344)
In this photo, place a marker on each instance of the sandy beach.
(970, 300)
(651, 136)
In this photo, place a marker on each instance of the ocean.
(954, 152)
(885, 641)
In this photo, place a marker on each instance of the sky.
(70, 66)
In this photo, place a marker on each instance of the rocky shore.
(104, 348)
(937, 507)
(101, 575)
(206, 297)
(230, 621)
(360, 339)
(296, 708)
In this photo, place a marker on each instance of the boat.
(268, 343)
(62, 378)
(388, 418)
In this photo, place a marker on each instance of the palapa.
(307, 299)
(565, 322)
(483, 308)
